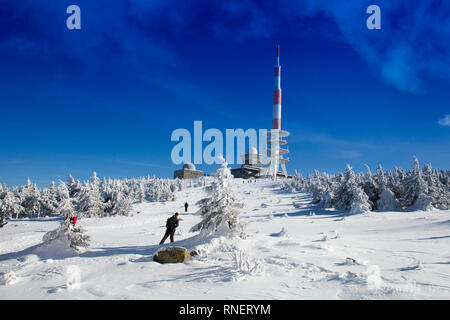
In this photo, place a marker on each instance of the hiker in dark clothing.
(171, 225)
(186, 205)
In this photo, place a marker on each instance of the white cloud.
(445, 122)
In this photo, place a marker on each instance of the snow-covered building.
(251, 165)
(187, 172)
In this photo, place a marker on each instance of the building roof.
(188, 166)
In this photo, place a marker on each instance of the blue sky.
(106, 98)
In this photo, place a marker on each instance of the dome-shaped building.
(187, 172)
(252, 158)
(252, 150)
(189, 166)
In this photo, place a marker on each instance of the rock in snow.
(172, 255)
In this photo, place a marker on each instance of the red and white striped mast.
(274, 151)
(276, 123)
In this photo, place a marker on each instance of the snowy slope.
(290, 253)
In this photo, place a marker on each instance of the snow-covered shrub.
(294, 184)
(244, 264)
(8, 278)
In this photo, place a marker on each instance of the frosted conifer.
(220, 211)
(9, 206)
(350, 196)
(415, 193)
(75, 236)
(49, 200)
(89, 201)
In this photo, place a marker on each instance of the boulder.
(172, 255)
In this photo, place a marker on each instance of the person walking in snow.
(171, 225)
(186, 205)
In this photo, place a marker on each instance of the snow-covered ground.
(290, 253)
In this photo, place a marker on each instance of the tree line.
(424, 188)
(93, 198)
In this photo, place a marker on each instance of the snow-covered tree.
(350, 196)
(415, 194)
(89, 201)
(29, 196)
(120, 203)
(386, 200)
(386, 191)
(67, 231)
(396, 181)
(220, 210)
(370, 187)
(328, 198)
(2, 214)
(93, 198)
(9, 205)
(73, 186)
(140, 193)
(360, 201)
(94, 179)
(438, 192)
(295, 184)
(19, 209)
(417, 188)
